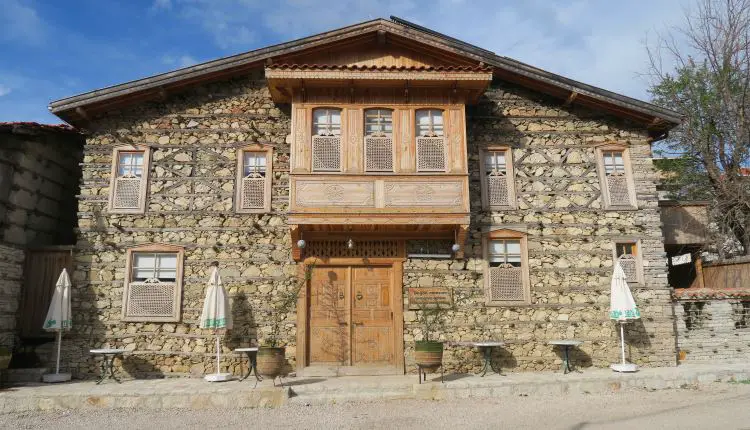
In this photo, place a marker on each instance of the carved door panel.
(372, 316)
(329, 315)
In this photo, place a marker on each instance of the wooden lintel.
(570, 99)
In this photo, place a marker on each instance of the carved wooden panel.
(333, 193)
(372, 318)
(353, 147)
(378, 154)
(423, 193)
(127, 193)
(506, 283)
(360, 249)
(407, 155)
(329, 315)
(326, 153)
(301, 146)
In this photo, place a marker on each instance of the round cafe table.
(565, 345)
(252, 362)
(108, 359)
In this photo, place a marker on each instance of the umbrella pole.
(217, 354)
(622, 341)
(59, 341)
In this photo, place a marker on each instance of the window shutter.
(127, 193)
(152, 299)
(506, 283)
(378, 154)
(497, 189)
(617, 185)
(629, 264)
(253, 192)
(430, 154)
(326, 153)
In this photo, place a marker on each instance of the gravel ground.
(717, 406)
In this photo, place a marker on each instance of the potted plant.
(428, 353)
(271, 354)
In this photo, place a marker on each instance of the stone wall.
(714, 329)
(194, 137)
(11, 270)
(570, 242)
(38, 182)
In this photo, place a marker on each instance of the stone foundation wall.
(11, 270)
(714, 330)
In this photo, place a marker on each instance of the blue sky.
(53, 49)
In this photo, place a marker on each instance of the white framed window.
(498, 183)
(326, 140)
(254, 175)
(506, 274)
(430, 141)
(153, 283)
(379, 140)
(129, 181)
(616, 178)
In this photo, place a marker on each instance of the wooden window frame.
(638, 260)
(606, 199)
(267, 190)
(505, 234)
(340, 136)
(156, 248)
(390, 135)
(144, 183)
(509, 172)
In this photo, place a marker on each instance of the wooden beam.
(381, 37)
(570, 99)
(82, 112)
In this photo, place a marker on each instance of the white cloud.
(161, 5)
(179, 61)
(20, 23)
(4, 91)
(598, 42)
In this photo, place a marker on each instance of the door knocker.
(359, 295)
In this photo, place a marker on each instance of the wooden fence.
(720, 275)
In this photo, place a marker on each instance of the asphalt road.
(717, 406)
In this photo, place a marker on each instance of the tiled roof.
(710, 293)
(363, 68)
(27, 126)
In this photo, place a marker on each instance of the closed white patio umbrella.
(216, 316)
(59, 319)
(622, 308)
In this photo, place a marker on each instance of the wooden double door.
(351, 316)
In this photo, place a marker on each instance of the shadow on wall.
(245, 331)
(140, 368)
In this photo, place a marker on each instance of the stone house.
(389, 162)
(39, 176)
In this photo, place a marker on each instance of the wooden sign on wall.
(427, 297)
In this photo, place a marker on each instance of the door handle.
(343, 323)
(359, 295)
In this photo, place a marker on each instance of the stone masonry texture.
(713, 330)
(194, 137)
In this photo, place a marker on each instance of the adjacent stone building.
(385, 161)
(39, 175)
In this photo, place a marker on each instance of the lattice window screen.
(617, 185)
(127, 193)
(497, 190)
(253, 192)
(326, 153)
(629, 264)
(430, 154)
(152, 300)
(361, 249)
(378, 154)
(506, 283)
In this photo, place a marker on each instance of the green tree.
(708, 81)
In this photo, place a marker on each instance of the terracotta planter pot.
(271, 361)
(428, 354)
